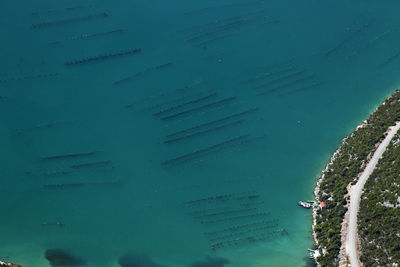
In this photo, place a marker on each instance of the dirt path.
(355, 194)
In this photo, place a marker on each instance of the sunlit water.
(309, 71)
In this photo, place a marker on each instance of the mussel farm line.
(59, 224)
(222, 28)
(227, 212)
(179, 91)
(79, 185)
(140, 73)
(88, 36)
(213, 40)
(163, 66)
(241, 229)
(245, 140)
(285, 85)
(258, 214)
(218, 198)
(389, 60)
(195, 29)
(279, 80)
(41, 126)
(171, 102)
(189, 111)
(201, 28)
(203, 151)
(218, 24)
(236, 234)
(91, 164)
(71, 20)
(186, 137)
(251, 239)
(176, 100)
(131, 77)
(220, 7)
(30, 77)
(348, 39)
(195, 101)
(211, 122)
(69, 156)
(229, 26)
(242, 226)
(57, 172)
(102, 57)
(217, 29)
(266, 75)
(74, 185)
(98, 34)
(248, 204)
(203, 211)
(253, 196)
(304, 88)
(54, 11)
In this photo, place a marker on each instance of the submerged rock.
(211, 262)
(58, 257)
(137, 260)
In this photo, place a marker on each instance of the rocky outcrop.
(7, 264)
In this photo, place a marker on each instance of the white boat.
(305, 204)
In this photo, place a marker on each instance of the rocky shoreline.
(344, 169)
(7, 264)
(316, 192)
(342, 256)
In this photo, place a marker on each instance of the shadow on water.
(211, 262)
(137, 260)
(58, 257)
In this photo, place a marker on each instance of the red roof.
(323, 204)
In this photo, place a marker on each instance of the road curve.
(355, 194)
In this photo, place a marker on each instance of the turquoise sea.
(179, 133)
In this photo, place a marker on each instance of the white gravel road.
(355, 194)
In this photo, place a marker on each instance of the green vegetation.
(379, 215)
(349, 162)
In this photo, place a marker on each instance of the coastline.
(316, 196)
(317, 190)
(352, 241)
(340, 258)
(7, 264)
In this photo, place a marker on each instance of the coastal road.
(355, 194)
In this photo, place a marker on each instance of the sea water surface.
(200, 144)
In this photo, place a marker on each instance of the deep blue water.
(307, 72)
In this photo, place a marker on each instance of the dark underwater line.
(212, 122)
(204, 132)
(288, 84)
(203, 150)
(189, 111)
(67, 21)
(194, 101)
(278, 80)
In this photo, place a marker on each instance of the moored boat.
(305, 205)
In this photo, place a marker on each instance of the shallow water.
(320, 67)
